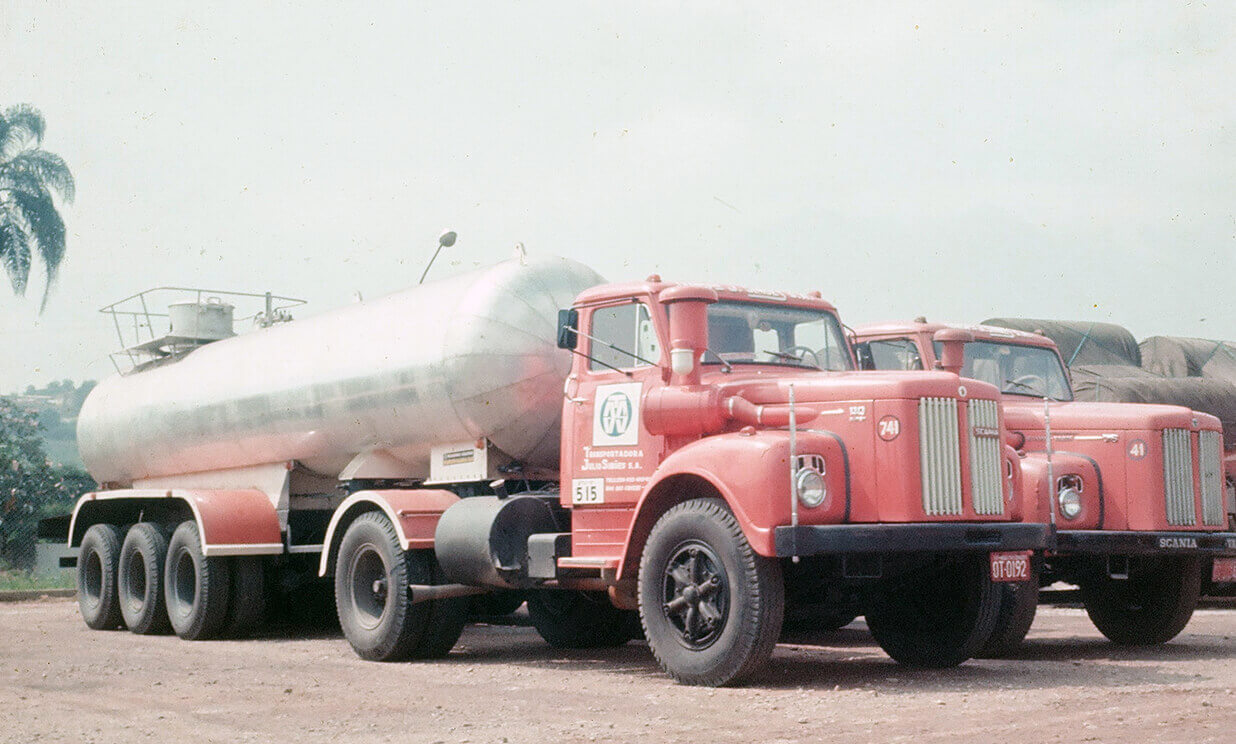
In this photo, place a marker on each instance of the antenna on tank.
(445, 240)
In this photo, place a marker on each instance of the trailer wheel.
(936, 617)
(1019, 602)
(570, 619)
(97, 558)
(195, 587)
(710, 606)
(372, 572)
(139, 579)
(246, 607)
(1150, 607)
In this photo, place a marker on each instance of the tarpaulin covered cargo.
(1126, 384)
(1081, 342)
(1174, 356)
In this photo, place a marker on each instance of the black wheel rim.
(696, 595)
(135, 581)
(370, 583)
(184, 584)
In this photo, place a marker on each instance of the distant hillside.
(57, 405)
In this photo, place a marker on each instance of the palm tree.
(29, 221)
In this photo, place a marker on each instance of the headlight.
(811, 487)
(1069, 496)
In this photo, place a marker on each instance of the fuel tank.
(464, 358)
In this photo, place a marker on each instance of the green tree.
(31, 487)
(30, 223)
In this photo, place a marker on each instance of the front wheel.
(938, 616)
(1151, 606)
(710, 606)
(1019, 601)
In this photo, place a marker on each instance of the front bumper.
(1105, 542)
(944, 537)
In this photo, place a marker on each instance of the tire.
(447, 617)
(1018, 604)
(195, 587)
(569, 619)
(246, 606)
(496, 604)
(1150, 607)
(97, 559)
(936, 617)
(711, 607)
(815, 618)
(139, 579)
(372, 573)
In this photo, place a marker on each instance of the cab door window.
(629, 329)
(893, 353)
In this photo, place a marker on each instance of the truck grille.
(939, 455)
(1210, 458)
(985, 480)
(1178, 476)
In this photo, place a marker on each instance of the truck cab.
(876, 492)
(1155, 508)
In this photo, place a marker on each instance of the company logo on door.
(615, 415)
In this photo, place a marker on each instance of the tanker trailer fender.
(231, 522)
(413, 512)
(750, 471)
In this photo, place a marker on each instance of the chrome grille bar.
(1210, 460)
(939, 455)
(1178, 476)
(986, 485)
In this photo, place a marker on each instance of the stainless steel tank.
(458, 359)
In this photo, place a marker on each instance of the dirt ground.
(60, 682)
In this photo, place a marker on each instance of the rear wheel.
(1150, 607)
(938, 616)
(140, 579)
(97, 560)
(711, 607)
(1018, 604)
(568, 619)
(196, 588)
(372, 575)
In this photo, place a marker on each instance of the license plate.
(1224, 570)
(1010, 566)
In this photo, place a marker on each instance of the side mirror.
(863, 353)
(952, 355)
(568, 321)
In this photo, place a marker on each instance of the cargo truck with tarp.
(1135, 531)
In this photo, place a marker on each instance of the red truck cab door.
(607, 453)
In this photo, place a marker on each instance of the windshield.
(1016, 369)
(758, 333)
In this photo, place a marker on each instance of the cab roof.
(981, 332)
(653, 286)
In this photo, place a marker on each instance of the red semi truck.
(693, 453)
(1136, 532)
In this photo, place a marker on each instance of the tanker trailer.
(228, 462)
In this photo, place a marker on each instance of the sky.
(955, 160)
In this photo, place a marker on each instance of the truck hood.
(770, 385)
(1027, 414)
